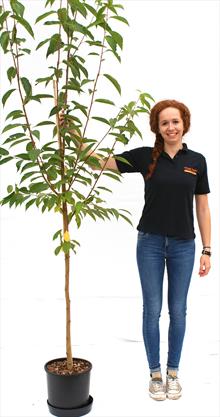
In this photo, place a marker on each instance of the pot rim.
(73, 375)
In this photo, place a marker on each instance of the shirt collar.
(183, 150)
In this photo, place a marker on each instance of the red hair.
(154, 125)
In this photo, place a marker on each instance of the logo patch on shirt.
(190, 170)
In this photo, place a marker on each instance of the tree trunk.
(67, 295)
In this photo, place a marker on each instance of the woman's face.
(171, 125)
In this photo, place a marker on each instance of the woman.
(172, 174)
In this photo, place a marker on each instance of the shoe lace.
(173, 382)
(158, 385)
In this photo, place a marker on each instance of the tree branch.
(16, 65)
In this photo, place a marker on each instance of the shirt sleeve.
(134, 160)
(202, 185)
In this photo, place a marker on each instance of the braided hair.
(154, 125)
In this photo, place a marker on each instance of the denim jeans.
(153, 253)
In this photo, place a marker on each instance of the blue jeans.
(153, 252)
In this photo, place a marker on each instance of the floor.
(106, 323)
(110, 337)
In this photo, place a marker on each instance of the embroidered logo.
(191, 170)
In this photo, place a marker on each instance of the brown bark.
(67, 296)
(65, 229)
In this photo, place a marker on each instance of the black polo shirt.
(168, 208)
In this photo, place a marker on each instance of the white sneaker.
(157, 390)
(173, 388)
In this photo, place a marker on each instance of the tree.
(57, 174)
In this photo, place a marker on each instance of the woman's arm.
(204, 222)
(109, 164)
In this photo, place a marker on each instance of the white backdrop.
(171, 50)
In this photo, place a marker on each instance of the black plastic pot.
(68, 395)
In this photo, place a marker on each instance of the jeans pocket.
(142, 234)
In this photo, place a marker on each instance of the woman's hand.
(61, 118)
(65, 123)
(205, 265)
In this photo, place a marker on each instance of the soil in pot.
(59, 367)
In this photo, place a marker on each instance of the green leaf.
(143, 95)
(38, 187)
(36, 133)
(27, 86)
(55, 110)
(3, 17)
(33, 154)
(23, 156)
(9, 189)
(141, 109)
(3, 151)
(52, 173)
(75, 242)
(113, 176)
(45, 123)
(66, 246)
(111, 42)
(30, 203)
(10, 126)
(90, 8)
(55, 44)
(80, 107)
(114, 82)
(93, 53)
(95, 43)
(72, 85)
(39, 46)
(43, 96)
(5, 160)
(78, 220)
(57, 250)
(76, 5)
(120, 138)
(57, 234)
(7, 95)
(14, 137)
(4, 40)
(16, 142)
(25, 24)
(144, 102)
(126, 218)
(63, 18)
(112, 122)
(120, 158)
(133, 128)
(51, 2)
(28, 165)
(101, 119)
(77, 27)
(118, 39)
(7, 199)
(120, 18)
(105, 189)
(93, 161)
(17, 7)
(78, 207)
(42, 16)
(102, 100)
(51, 22)
(11, 73)
(15, 114)
(28, 51)
(26, 176)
